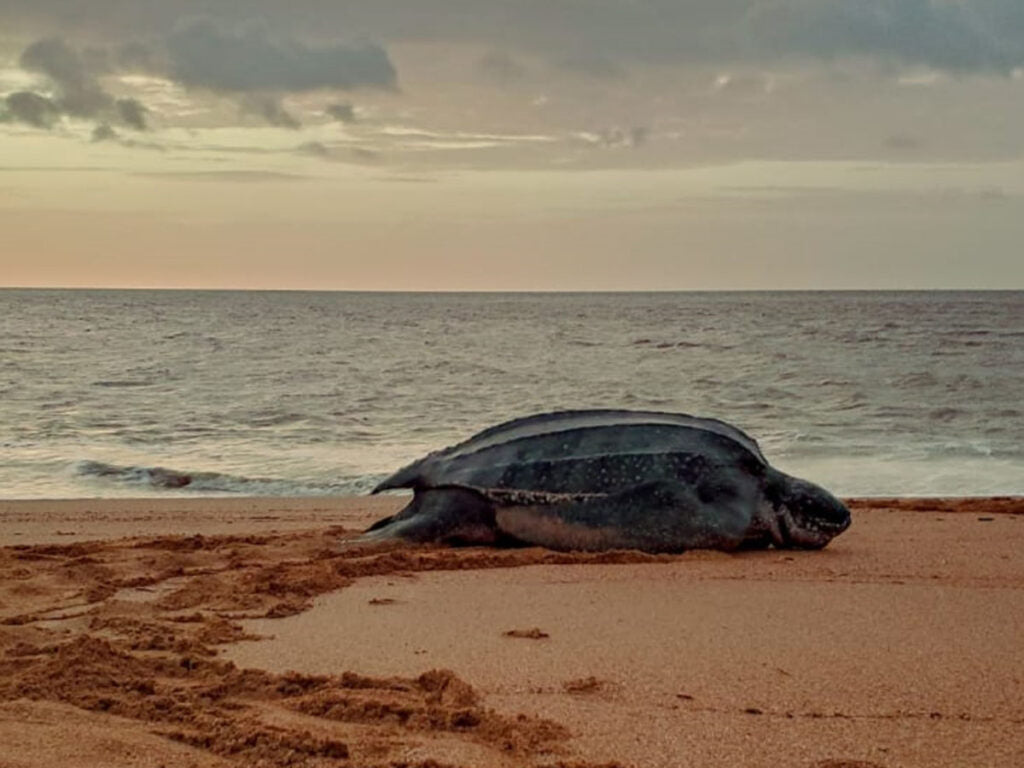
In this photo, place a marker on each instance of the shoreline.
(220, 632)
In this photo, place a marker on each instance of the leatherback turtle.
(609, 479)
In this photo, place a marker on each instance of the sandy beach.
(219, 632)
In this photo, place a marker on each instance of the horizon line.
(208, 289)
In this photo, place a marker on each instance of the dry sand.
(256, 639)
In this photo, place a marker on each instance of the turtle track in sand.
(128, 630)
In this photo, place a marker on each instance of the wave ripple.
(262, 393)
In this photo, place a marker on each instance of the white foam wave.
(165, 479)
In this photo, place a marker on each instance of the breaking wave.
(165, 479)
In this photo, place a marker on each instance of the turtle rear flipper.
(654, 517)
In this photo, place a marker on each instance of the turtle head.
(804, 515)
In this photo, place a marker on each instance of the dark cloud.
(982, 35)
(75, 76)
(103, 132)
(343, 113)
(59, 61)
(132, 113)
(956, 35)
(250, 58)
(30, 108)
(271, 110)
(245, 60)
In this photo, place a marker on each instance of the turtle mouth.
(808, 534)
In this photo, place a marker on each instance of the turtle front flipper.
(661, 516)
(446, 515)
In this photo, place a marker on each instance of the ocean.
(157, 393)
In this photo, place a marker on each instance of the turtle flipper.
(655, 517)
(448, 515)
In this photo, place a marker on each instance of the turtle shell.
(586, 451)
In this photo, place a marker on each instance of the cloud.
(103, 132)
(30, 108)
(501, 68)
(61, 63)
(135, 57)
(728, 78)
(638, 135)
(343, 113)
(245, 61)
(132, 113)
(250, 58)
(271, 110)
(982, 35)
(314, 149)
(80, 92)
(75, 76)
(616, 137)
(953, 35)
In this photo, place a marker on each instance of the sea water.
(146, 393)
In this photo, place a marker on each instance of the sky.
(512, 144)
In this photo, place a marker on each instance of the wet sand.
(238, 632)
